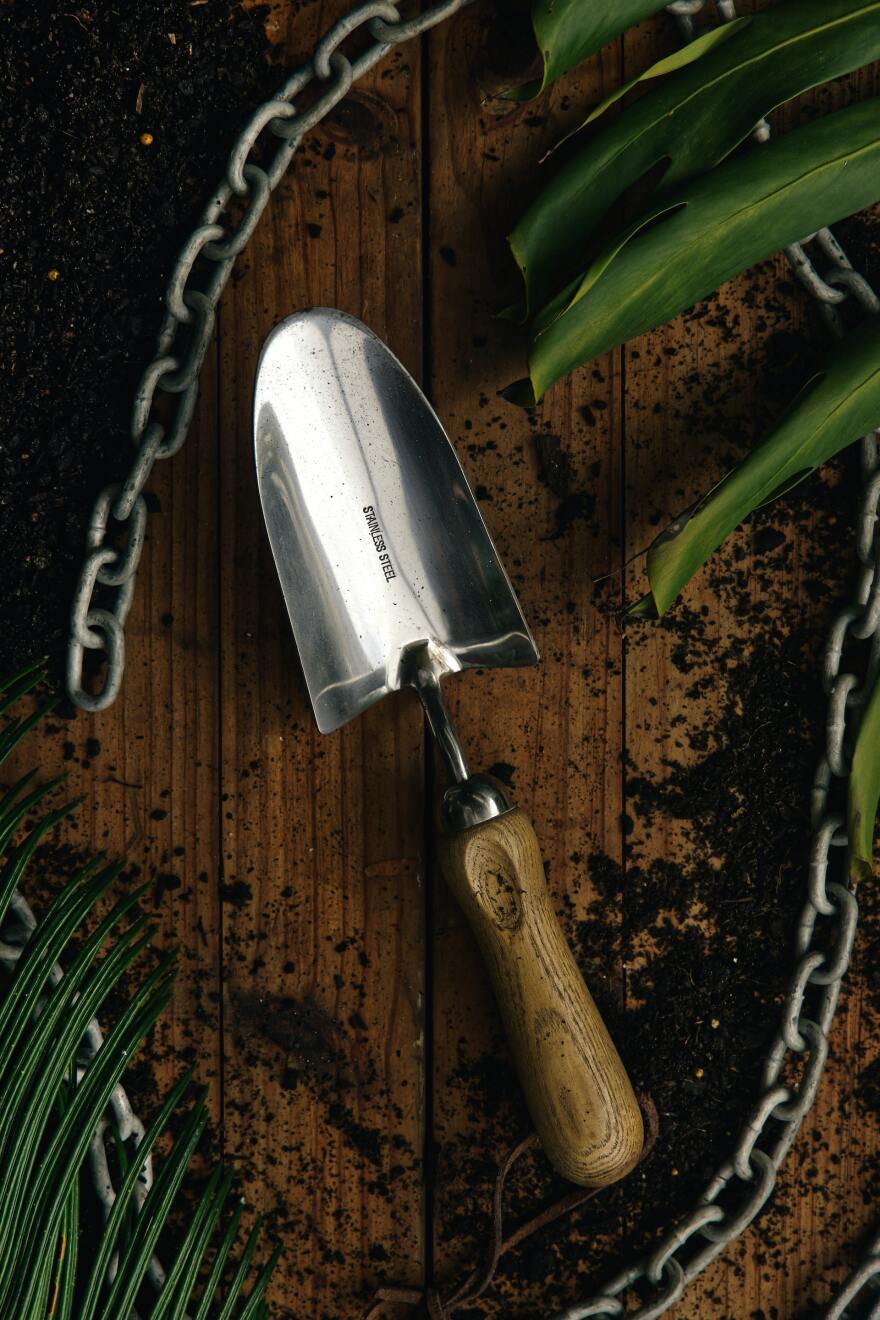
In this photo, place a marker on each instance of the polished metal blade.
(381, 550)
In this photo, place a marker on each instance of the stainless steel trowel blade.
(378, 541)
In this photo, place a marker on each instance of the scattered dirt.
(710, 881)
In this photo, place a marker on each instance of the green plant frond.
(65, 1168)
(212, 1283)
(37, 1175)
(841, 404)
(254, 1307)
(18, 858)
(47, 1120)
(695, 113)
(727, 220)
(13, 734)
(42, 1060)
(13, 808)
(14, 689)
(44, 949)
(568, 31)
(184, 1271)
(242, 1270)
(111, 1239)
(61, 1298)
(21, 683)
(64, 1296)
(864, 790)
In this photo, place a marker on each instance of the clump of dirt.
(692, 980)
(115, 121)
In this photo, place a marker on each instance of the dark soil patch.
(115, 121)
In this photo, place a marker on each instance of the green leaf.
(688, 123)
(730, 218)
(864, 790)
(184, 1272)
(836, 408)
(31, 1205)
(212, 1282)
(568, 31)
(49, 1108)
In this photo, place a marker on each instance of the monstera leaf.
(838, 406)
(51, 1103)
(681, 250)
(717, 90)
(864, 789)
(567, 31)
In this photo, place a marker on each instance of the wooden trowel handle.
(577, 1090)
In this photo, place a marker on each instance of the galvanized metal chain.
(19, 924)
(826, 929)
(258, 162)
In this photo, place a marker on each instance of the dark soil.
(115, 122)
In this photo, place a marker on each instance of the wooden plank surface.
(550, 493)
(323, 933)
(330, 994)
(147, 770)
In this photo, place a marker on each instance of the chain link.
(105, 588)
(827, 925)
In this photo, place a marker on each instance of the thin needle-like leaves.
(49, 1109)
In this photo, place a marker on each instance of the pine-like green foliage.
(48, 1117)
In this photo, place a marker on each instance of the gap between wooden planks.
(329, 991)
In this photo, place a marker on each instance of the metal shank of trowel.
(470, 799)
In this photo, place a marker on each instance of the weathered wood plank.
(550, 494)
(322, 837)
(147, 768)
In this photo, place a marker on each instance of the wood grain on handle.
(578, 1093)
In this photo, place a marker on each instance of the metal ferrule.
(470, 799)
(473, 802)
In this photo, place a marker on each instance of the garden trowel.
(391, 580)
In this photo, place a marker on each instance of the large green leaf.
(864, 789)
(735, 215)
(689, 122)
(838, 406)
(567, 31)
(49, 1111)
